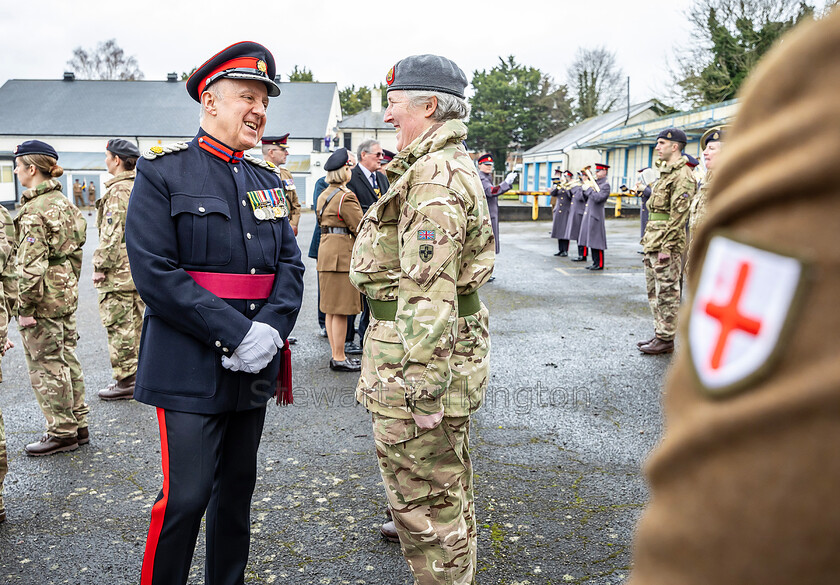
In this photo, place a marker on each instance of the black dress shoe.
(563, 254)
(351, 348)
(389, 531)
(559, 254)
(291, 340)
(491, 279)
(594, 267)
(578, 259)
(345, 366)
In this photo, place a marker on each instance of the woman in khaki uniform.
(339, 214)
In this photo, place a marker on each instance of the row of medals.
(268, 212)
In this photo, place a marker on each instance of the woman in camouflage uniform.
(8, 295)
(120, 305)
(422, 252)
(50, 234)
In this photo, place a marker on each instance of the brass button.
(218, 343)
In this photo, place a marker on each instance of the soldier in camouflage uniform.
(120, 305)
(50, 234)
(711, 142)
(664, 239)
(422, 252)
(275, 150)
(8, 294)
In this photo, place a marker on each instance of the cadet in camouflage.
(120, 306)
(665, 238)
(8, 290)
(711, 143)
(275, 151)
(422, 252)
(50, 234)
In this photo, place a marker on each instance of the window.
(348, 144)
(6, 174)
(316, 144)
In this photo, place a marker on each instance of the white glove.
(510, 178)
(233, 363)
(257, 348)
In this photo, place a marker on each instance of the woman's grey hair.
(449, 107)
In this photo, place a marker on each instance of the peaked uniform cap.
(245, 60)
(716, 134)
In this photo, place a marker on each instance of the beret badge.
(389, 79)
(669, 135)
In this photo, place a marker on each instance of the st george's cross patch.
(745, 298)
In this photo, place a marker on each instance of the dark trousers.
(582, 251)
(563, 245)
(597, 258)
(209, 464)
(364, 319)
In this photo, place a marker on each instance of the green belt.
(387, 310)
(659, 216)
(57, 260)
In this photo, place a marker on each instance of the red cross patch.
(743, 301)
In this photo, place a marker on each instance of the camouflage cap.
(427, 73)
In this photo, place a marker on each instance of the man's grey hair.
(449, 107)
(217, 89)
(366, 146)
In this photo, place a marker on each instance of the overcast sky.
(349, 42)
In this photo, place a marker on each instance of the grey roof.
(366, 119)
(578, 134)
(143, 108)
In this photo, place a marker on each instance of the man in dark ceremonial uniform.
(214, 257)
(561, 204)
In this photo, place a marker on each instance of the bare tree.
(595, 82)
(107, 61)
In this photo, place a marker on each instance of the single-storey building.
(78, 117)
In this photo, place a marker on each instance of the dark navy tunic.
(190, 210)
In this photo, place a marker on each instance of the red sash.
(250, 286)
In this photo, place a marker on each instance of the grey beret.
(122, 148)
(427, 73)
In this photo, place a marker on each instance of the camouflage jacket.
(50, 235)
(672, 196)
(8, 277)
(292, 201)
(110, 256)
(697, 214)
(427, 240)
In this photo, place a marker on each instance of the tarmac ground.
(571, 412)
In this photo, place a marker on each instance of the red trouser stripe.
(159, 509)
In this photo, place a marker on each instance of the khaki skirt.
(338, 295)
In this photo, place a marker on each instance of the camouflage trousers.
(4, 460)
(56, 374)
(122, 316)
(429, 483)
(663, 289)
